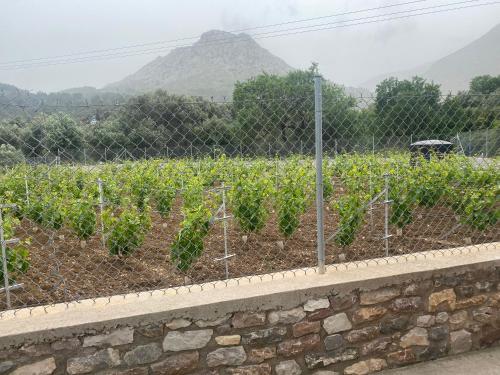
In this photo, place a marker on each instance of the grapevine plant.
(82, 218)
(249, 198)
(188, 245)
(125, 231)
(403, 201)
(292, 197)
(351, 209)
(17, 255)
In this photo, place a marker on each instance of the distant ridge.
(455, 71)
(208, 68)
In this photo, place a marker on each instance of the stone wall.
(359, 331)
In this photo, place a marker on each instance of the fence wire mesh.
(161, 191)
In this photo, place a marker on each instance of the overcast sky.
(35, 28)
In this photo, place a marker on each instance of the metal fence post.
(4, 262)
(387, 202)
(101, 210)
(318, 120)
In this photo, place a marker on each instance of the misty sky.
(32, 29)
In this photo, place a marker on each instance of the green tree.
(485, 84)
(105, 140)
(407, 109)
(277, 112)
(161, 120)
(58, 134)
(9, 155)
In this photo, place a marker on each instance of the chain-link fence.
(160, 191)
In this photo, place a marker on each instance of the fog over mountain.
(455, 71)
(210, 67)
(33, 30)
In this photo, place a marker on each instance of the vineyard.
(87, 231)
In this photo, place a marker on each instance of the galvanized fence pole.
(101, 211)
(387, 202)
(4, 263)
(318, 120)
(224, 215)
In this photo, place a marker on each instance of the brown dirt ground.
(64, 271)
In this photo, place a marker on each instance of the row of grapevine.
(69, 196)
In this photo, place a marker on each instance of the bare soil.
(62, 270)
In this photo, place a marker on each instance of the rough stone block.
(44, 367)
(316, 304)
(290, 348)
(334, 342)
(363, 334)
(388, 326)
(486, 315)
(264, 336)
(473, 301)
(248, 319)
(178, 324)
(286, 316)
(460, 341)
(458, 320)
(36, 350)
(320, 314)
(263, 369)
(464, 291)
(366, 367)
(337, 323)
(68, 344)
(305, 328)
(442, 317)
(288, 368)
(6, 366)
(484, 286)
(407, 304)
(233, 356)
(259, 355)
(213, 322)
(435, 350)
(120, 336)
(228, 340)
(445, 299)
(143, 354)
(151, 330)
(368, 314)
(182, 363)
(176, 341)
(374, 297)
(426, 321)
(316, 360)
(103, 358)
(131, 371)
(401, 357)
(343, 302)
(376, 346)
(416, 337)
(438, 333)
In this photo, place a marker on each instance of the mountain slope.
(209, 67)
(480, 57)
(455, 71)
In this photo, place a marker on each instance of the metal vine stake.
(5, 242)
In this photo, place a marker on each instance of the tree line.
(269, 115)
